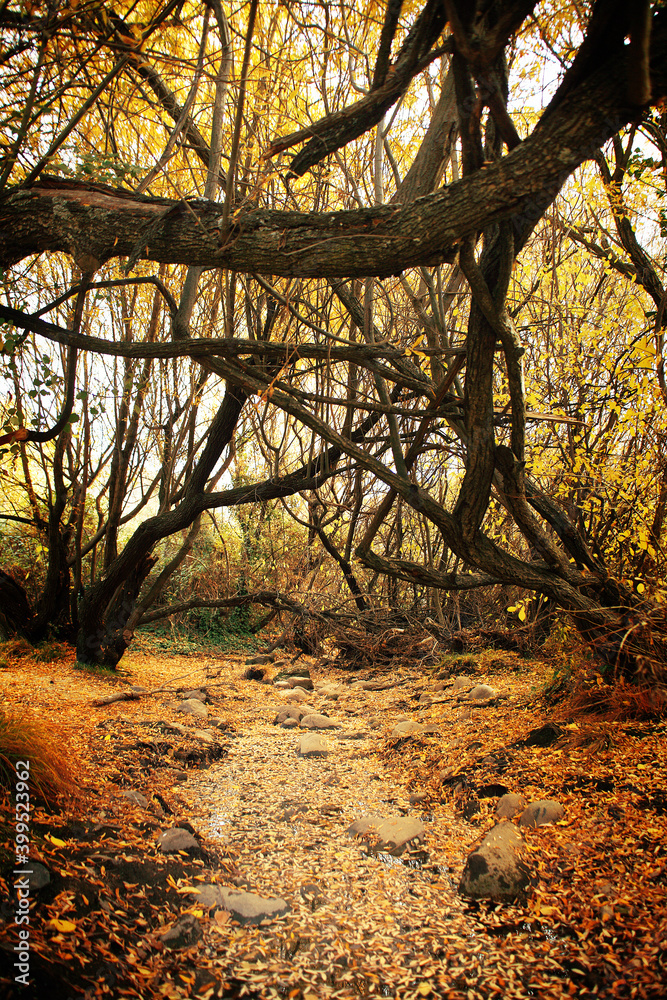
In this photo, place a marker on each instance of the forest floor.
(121, 918)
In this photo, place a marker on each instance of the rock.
(290, 724)
(317, 721)
(352, 734)
(300, 681)
(197, 693)
(408, 728)
(417, 797)
(176, 839)
(330, 690)
(376, 685)
(185, 932)
(283, 685)
(398, 831)
(193, 706)
(297, 695)
(393, 834)
(313, 745)
(245, 907)
(460, 683)
(495, 870)
(291, 712)
(136, 798)
(545, 736)
(176, 727)
(364, 825)
(481, 692)
(542, 812)
(510, 805)
(425, 699)
(375, 722)
(296, 670)
(259, 659)
(181, 777)
(38, 875)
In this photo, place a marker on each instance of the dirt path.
(352, 921)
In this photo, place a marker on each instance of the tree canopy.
(413, 251)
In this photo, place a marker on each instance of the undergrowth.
(21, 740)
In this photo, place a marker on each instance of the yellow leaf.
(64, 926)
(522, 614)
(56, 842)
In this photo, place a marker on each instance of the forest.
(335, 333)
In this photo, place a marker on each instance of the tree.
(404, 368)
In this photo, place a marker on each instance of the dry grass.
(51, 780)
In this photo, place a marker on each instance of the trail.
(360, 922)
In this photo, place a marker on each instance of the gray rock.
(176, 839)
(260, 659)
(331, 690)
(38, 875)
(185, 932)
(364, 825)
(408, 728)
(317, 721)
(313, 745)
(193, 706)
(297, 670)
(417, 797)
(290, 712)
(282, 685)
(245, 907)
(375, 722)
(542, 812)
(425, 699)
(197, 693)
(297, 695)
(136, 798)
(510, 805)
(481, 692)
(495, 869)
(299, 680)
(460, 683)
(290, 724)
(398, 831)
(352, 734)
(393, 834)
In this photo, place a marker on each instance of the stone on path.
(481, 692)
(297, 694)
(260, 659)
(461, 682)
(313, 745)
(38, 876)
(193, 706)
(136, 798)
(176, 839)
(510, 805)
(317, 721)
(245, 907)
(291, 712)
(542, 812)
(185, 932)
(495, 869)
(290, 724)
(408, 728)
(299, 680)
(393, 833)
(197, 693)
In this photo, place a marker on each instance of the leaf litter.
(361, 922)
